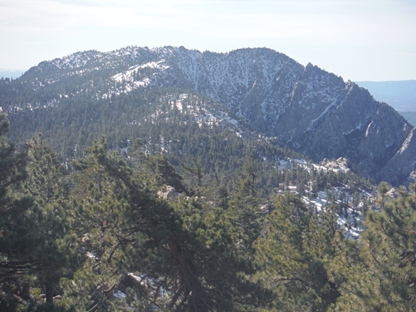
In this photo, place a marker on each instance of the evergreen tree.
(15, 241)
(49, 187)
(178, 256)
(388, 249)
(293, 257)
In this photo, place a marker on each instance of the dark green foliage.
(16, 242)
(389, 251)
(293, 257)
(48, 185)
(72, 126)
(184, 249)
(106, 235)
(164, 172)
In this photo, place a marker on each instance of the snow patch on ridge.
(406, 143)
(327, 110)
(130, 74)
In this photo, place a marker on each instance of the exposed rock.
(340, 164)
(392, 193)
(306, 108)
(168, 193)
(402, 166)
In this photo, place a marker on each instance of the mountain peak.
(304, 107)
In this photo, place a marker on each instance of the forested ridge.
(194, 222)
(74, 99)
(161, 199)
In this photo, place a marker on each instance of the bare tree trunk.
(49, 294)
(189, 279)
(26, 291)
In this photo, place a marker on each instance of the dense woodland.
(105, 234)
(145, 202)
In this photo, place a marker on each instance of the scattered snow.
(119, 294)
(130, 76)
(367, 131)
(179, 106)
(91, 255)
(406, 143)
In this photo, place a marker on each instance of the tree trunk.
(49, 294)
(26, 291)
(190, 282)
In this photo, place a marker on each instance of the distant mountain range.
(10, 73)
(301, 107)
(401, 95)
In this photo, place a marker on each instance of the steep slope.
(334, 120)
(309, 110)
(305, 108)
(397, 169)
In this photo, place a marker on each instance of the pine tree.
(294, 254)
(175, 256)
(48, 185)
(388, 249)
(14, 240)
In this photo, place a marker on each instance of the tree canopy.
(98, 233)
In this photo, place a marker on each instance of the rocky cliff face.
(400, 169)
(306, 108)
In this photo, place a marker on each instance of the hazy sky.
(355, 39)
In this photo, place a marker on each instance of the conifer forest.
(137, 203)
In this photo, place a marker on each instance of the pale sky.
(356, 39)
